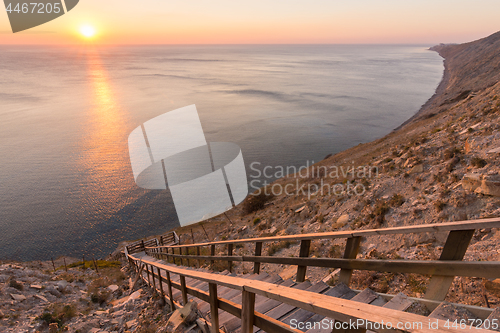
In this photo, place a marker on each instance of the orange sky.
(269, 21)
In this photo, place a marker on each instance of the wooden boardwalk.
(292, 315)
(260, 302)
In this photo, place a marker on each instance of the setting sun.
(87, 31)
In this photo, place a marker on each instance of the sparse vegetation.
(275, 247)
(58, 314)
(439, 205)
(396, 200)
(478, 162)
(451, 152)
(16, 285)
(256, 202)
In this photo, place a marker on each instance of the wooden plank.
(169, 287)
(436, 227)
(454, 249)
(225, 320)
(285, 309)
(340, 291)
(447, 311)
(301, 315)
(162, 293)
(212, 253)
(183, 289)
(350, 252)
(304, 253)
(247, 312)
(478, 311)
(366, 296)
(492, 320)
(484, 269)
(400, 302)
(229, 321)
(229, 254)
(342, 310)
(258, 253)
(214, 307)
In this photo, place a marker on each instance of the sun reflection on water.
(104, 152)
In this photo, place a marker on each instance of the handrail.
(437, 227)
(334, 308)
(442, 271)
(479, 269)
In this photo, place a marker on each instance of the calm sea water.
(66, 186)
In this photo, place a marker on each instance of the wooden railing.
(170, 238)
(442, 271)
(344, 311)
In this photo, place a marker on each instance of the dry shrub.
(255, 202)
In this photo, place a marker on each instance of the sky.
(266, 22)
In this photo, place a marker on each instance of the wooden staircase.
(261, 302)
(291, 315)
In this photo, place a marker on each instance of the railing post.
(304, 253)
(147, 272)
(454, 249)
(214, 307)
(350, 252)
(258, 253)
(142, 245)
(229, 253)
(186, 252)
(198, 253)
(180, 253)
(183, 289)
(169, 287)
(247, 312)
(153, 278)
(160, 283)
(212, 254)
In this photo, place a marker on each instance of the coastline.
(422, 165)
(440, 89)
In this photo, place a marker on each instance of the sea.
(66, 184)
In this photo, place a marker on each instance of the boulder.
(343, 219)
(54, 292)
(482, 184)
(42, 298)
(494, 151)
(419, 168)
(113, 287)
(18, 297)
(181, 317)
(471, 181)
(490, 186)
(132, 323)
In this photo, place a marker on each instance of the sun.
(87, 31)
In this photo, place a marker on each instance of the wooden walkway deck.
(311, 322)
